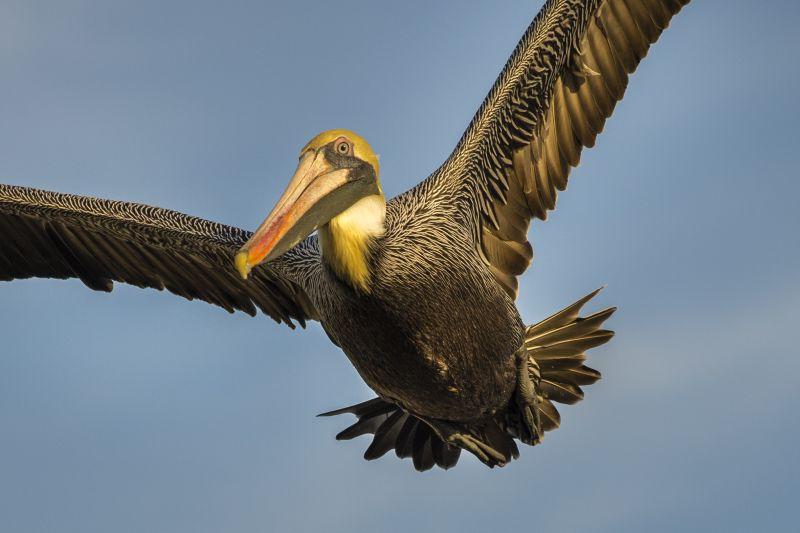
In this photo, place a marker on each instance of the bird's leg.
(528, 376)
(451, 434)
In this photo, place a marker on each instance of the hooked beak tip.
(242, 264)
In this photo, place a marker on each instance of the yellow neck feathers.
(346, 240)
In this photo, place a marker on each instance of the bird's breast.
(435, 333)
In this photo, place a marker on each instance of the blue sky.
(140, 411)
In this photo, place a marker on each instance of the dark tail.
(556, 350)
(396, 429)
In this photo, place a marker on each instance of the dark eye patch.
(360, 170)
(340, 160)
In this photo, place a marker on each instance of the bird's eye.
(343, 147)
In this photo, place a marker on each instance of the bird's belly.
(437, 354)
(436, 386)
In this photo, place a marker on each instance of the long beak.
(316, 193)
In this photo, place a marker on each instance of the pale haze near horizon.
(140, 411)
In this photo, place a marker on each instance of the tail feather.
(444, 455)
(556, 350)
(405, 439)
(572, 349)
(561, 318)
(570, 332)
(371, 414)
(423, 453)
(394, 428)
(364, 426)
(582, 375)
(560, 392)
(548, 414)
(359, 409)
(386, 435)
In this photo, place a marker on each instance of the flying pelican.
(418, 291)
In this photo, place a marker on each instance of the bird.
(419, 291)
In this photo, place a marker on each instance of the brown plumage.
(418, 291)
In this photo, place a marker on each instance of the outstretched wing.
(52, 235)
(551, 100)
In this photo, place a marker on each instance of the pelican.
(418, 291)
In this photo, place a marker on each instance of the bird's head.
(337, 171)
